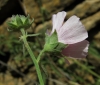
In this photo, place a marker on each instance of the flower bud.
(19, 21)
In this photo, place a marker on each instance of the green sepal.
(23, 19)
(60, 47)
(28, 22)
(19, 21)
(52, 44)
(51, 41)
(13, 20)
(12, 25)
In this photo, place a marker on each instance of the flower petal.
(53, 22)
(78, 50)
(57, 20)
(72, 31)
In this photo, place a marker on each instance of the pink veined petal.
(58, 20)
(77, 50)
(72, 31)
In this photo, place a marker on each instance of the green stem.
(30, 35)
(39, 57)
(32, 56)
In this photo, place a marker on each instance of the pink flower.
(72, 33)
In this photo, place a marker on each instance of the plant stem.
(38, 59)
(23, 37)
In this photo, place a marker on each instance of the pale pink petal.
(72, 31)
(78, 50)
(58, 20)
(54, 22)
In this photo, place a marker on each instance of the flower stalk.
(23, 37)
(39, 56)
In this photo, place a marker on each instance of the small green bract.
(19, 21)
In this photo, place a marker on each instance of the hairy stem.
(23, 37)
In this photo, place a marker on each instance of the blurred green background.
(16, 67)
